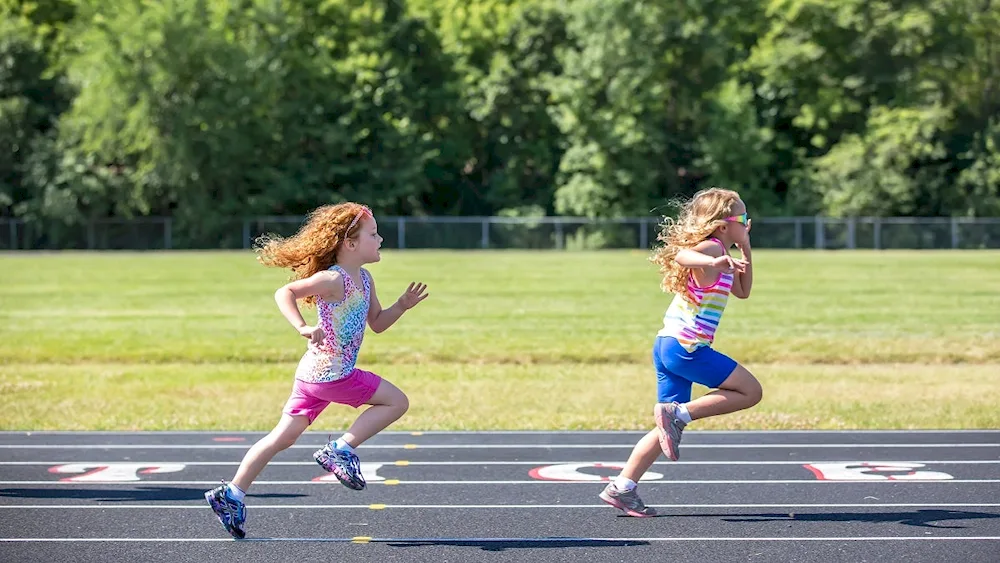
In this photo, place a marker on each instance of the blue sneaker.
(342, 463)
(231, 512)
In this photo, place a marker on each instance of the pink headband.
(364, 211)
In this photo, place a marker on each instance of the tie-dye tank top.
(692, 319)
(343, 325)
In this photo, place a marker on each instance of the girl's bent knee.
(755, 393)
(402, 404)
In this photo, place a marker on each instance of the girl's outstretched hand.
(728, 264)
(413, 295)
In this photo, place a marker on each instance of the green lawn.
(506, 340)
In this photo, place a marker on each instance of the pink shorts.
(309, 399)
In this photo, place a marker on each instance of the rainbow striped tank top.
(692, 319)
(343, 324)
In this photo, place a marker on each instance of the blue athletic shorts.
(677, 369)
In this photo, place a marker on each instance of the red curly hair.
(314, 247)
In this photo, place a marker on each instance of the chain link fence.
(561, 233)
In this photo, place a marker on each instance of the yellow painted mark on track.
(391, 481)
(361, 539)
(416, 433)
(410, 447)
(376, 506)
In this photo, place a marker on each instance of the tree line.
(204, 110)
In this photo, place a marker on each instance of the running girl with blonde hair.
(696, 267)
(326, 257)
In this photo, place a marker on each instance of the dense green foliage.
(204, 110)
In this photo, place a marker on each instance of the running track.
(508, 496)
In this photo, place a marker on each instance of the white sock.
(235, 492)
(624, 483)
(683, 414)
(342, 445)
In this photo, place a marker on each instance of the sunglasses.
(742, 218)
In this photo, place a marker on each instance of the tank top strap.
(366, 282)
(348, 281)
(719, 242)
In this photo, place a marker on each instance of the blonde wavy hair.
(699, 217)
(314, 247)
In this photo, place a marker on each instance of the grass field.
(509, 340)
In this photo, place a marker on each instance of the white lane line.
(202, 506)
(487, 446)
(532, 463)
(393, 482)
(447, 541)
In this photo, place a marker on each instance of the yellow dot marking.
(391, 481)
(377, 506)
(410, 447)
(402, 463)
(361, 539)
(416, 433)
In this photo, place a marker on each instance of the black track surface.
(510, 496)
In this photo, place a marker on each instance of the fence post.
(851, 226)
(954, 232)
(820, 234)
(798, 233)
(168, 233)
(245, 234)
(877, 227)
(643, 235)
(485, 242)
(401, 232)
(560, 235)
(13, 234)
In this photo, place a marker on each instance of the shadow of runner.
(141, 494)
(923, 518)
(503, 544)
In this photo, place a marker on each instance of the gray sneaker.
(626, 501)
(670, 427)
